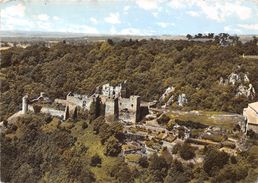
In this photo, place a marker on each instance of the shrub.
(187, 152)
(143, 162)
(112, 148)
(214, 160)
(84, 125)
(48, 118)
(163, 119)
(95, 160)
(176, 148)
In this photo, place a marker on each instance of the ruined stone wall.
(47, 110)
(61, 101)
(74, 100)
(111, 109)
(52, 112)
(84, 102)
(129, 109)
(110, 91)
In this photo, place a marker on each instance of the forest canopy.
(149, 66)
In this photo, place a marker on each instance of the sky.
(131, 17)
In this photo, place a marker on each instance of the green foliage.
(34, 153)
(97, 123)
(114, 129)
(158, 167)
(178, 173)
(148, 66)
(232, 173)
(92, 111)
(170, 124)
(187, 152)
(95, 160)
(122, 173)
(84, 125)
(113, 147)
(214, 161)
(143, 162)
(163, 119)
(176, 148)
(194, 68)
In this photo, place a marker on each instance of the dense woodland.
(40, 148)
(149, 66)
(88, 150)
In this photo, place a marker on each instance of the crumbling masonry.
(118, 107)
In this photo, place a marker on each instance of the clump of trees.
(111, 135)
(214, 161)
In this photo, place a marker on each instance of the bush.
(143, 162)
(187, 152)
(37, 108)
(232, 173)
(112, 148)
(170, 124)
(48, 118)
(176, 148)
(84, 125)
(97, 123)
(163, 119)
(214, 160)
(95, 160)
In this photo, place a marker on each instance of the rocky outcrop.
(167, 98)
(167, 92)
(181, 100)
(234, 79)
(242, 82)
(247, 91)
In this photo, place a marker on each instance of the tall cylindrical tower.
(25, 104)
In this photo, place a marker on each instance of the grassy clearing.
(224, 120)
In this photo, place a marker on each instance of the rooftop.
(254, 106)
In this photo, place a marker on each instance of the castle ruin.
(118, 107)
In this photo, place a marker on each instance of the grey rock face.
(182, 99)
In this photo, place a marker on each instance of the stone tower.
(25, 104)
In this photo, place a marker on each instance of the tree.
(214, 160)
(92, 111)
(143, 162)
(188, 36)
(163, 119)
(97, 123)
(84, 125)
(112, 148)
(158, 167)
(187, 152)
(95, 160)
